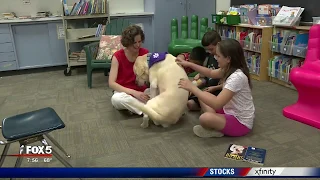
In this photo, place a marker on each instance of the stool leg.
(19, 160)
(57, 144)
(56, 154)
(4, 154)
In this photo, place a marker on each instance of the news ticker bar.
(262, 172)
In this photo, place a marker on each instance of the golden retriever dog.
(167, 101)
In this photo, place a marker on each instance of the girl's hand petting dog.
(187, 85)
(141, 96)
(182, 62)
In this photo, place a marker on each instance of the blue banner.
(256, 172)
(100, 172)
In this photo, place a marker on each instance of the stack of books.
(10, 15)
(78, 56)
(86, 7)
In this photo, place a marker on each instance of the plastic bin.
(256, 47)
(274, 47)
(246, 45)
(299, 51)
(316, 20)
(233, 19)
(286, 49)
(276, 21)
(241, 42)
(283, 76)
(253, 69)
(264, 21)
(216, 18)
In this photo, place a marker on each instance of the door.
(201, 8)
(165, 11)
(32, 45)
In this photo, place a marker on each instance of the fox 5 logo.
(38, 149)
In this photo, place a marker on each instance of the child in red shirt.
(197, 55)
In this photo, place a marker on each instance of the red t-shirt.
(126, 76)
(186, 57)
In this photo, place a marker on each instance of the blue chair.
(31, 127)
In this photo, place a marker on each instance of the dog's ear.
(138, 67)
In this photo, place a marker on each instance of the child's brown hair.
(198, 55)
(210, 38)
(231, 48)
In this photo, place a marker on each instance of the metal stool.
(31, 127)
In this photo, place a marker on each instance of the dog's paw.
(144, 124)
(165, 125)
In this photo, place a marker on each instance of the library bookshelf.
(82, 29)
(286, 56)
(256, 48)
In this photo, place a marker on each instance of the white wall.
(222, 5)
(55, 7)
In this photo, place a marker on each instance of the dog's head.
(236, 149)
(141, 70)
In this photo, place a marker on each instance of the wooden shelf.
(89, 16)
(252, 26)
(282, 83)
(254, 76)
(73, 35)
(83, 40)
(264, 52)
(246, 49)
(306, 28)
(77, 63)
(293, 54)
(76, 27)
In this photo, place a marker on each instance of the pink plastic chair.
(306, 79)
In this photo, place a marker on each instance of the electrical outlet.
(26, 2)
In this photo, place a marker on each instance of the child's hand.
(211, 89)
(186, 84)
(182, 62)
(196, 77)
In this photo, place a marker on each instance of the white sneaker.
(204, 133)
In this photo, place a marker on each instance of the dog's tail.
(146, 110)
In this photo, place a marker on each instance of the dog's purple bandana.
(156, 57)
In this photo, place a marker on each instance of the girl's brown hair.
(231, 48)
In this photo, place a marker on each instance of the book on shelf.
(86, 7)
(288, 16)
(227, 32)
(253, 61)
(246, 154)
(290, 42)
(100, 30)
(281, 65)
